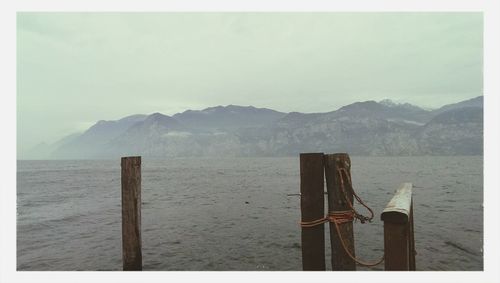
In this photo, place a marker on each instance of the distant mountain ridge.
(231, 116)
(473, 102)
(360, 128)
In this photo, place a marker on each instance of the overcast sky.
(75, 69)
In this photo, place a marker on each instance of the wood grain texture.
(336, 202)
(399, 245)
(396, 246)
(131, 212)
(412, 263)
(312, 208)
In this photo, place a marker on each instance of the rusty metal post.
(336, 202)
(397, 217)
(131, 213)
(312, 208)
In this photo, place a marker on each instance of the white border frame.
(491, 14)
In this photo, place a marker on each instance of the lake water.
(234, 214)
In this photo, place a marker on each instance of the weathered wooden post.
(398, 230)
(312, 208)
(131, 213)
(412, 239)
(336, 164)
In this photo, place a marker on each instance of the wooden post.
(336, 202)
(412, 240)
(312, 208)
(131, 213)
(396, 246)
(396, 217)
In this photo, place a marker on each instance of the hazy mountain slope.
(89, 143)
(228, 117)
(383, 110)
(473, 102)
(365, 128)
(45, 150)
(458, 131)
(147, 137)
(361, 128)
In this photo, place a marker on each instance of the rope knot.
(345, 216)
(341, 217)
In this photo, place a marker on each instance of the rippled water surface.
(234, 214)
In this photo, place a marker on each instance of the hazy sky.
(77, 68)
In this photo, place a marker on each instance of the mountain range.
(361, 128)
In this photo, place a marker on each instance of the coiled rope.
(345, 216)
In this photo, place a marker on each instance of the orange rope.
(357, 215)
(369, 264)
(338, 217)
(341, 217)
(345, 216)
(307, 224)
